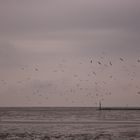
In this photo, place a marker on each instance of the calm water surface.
(67, 114)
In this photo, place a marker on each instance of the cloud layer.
(55, 41)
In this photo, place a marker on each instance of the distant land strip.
(65, 108)
(68, 122)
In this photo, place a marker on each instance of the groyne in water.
(119, 108)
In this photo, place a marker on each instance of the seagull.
(110, 63)
(91, 61)
(110, 76)
(121, 59)
(36, 69)
(99, 62)
(94, 73)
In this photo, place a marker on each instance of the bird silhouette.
(110, 63)
(121, 59)
(94, 73)
(91, 61)
(36, 69)
(99, 62)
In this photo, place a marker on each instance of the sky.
(69, 52)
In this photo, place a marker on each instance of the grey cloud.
(9, 55)
(44, 17)
(88, 24)
(40, 33)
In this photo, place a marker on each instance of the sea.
(65, 121)
(66, 114)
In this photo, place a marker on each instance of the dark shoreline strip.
(95, 122)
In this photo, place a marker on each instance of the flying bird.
(110, 76)
(94, 73)
(110, 63)
(99, 62)
(121, 59)
(36, 69)
(90, 61)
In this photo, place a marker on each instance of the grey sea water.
(66, 114)
(68, 123)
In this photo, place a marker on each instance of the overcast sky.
(69, 52)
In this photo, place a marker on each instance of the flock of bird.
(99, 92)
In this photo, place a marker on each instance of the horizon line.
(74, 106)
